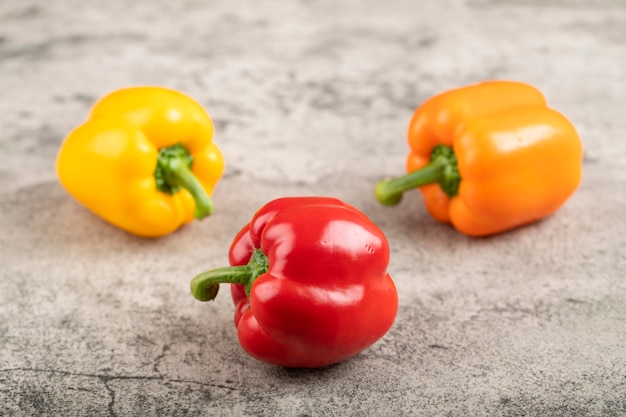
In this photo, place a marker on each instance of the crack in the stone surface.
(157, 360)
(107, 378)
(111, 404)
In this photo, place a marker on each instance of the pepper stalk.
(206, 285)
(442, 169)
(173, 173)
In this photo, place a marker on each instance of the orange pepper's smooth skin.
(518, 160)
(108, 163)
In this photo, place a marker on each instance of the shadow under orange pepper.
(489, 157)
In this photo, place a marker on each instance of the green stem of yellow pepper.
(173, 173)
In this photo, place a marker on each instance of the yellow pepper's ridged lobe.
(108, 163)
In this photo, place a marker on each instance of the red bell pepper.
(310, 282)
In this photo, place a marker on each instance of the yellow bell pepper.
(144, 160)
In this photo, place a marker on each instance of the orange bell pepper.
(489, 157)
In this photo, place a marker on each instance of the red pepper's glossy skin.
(326, 295)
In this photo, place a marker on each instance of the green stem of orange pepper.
(441, 169)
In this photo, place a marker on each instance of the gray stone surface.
(310, 97)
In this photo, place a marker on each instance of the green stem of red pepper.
(441, 169)
(205, 286)
(173, 173)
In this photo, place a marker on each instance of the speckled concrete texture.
(310, 97)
